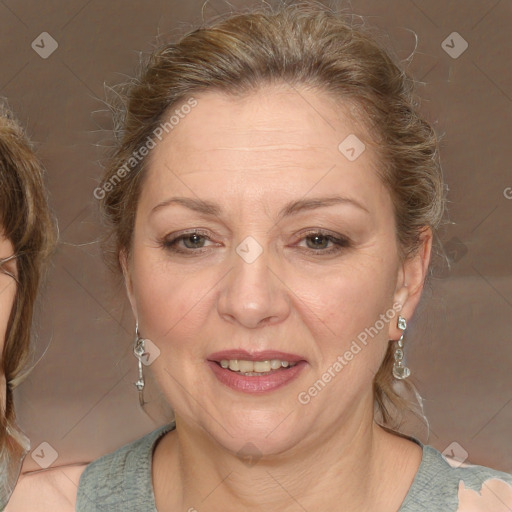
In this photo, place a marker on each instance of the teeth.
(275, 364)
(243, 366)
(261, 366)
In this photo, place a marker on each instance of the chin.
(259, 433)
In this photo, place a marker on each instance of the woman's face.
(294, 255)
(7, 294)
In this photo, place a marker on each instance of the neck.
(346, 468)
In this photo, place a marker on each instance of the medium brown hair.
(302, 45)
(26, 221)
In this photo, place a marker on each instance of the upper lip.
(265, 355)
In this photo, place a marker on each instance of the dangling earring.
(399, 370)
(139, 350)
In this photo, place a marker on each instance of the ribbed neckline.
(427, 470)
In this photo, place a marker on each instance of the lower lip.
(256, 384)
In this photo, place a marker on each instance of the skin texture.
(51, 490)
(7, 295)
(252, 156)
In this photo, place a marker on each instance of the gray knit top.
(122, 482)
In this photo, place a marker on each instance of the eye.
(196, 242)
(322, 242)
(186, 243)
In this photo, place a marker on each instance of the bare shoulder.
(51, 490)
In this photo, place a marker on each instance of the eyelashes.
(318, 242)
(338, 242)
(192, 239)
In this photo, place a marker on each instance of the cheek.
(342, 313)
(352, 297)
(171, 304)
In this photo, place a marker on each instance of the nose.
(253, 294)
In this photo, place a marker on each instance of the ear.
(128, 282)
(410, 280)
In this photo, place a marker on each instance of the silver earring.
(399, 370)
(139, 349)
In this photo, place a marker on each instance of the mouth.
(255, 372)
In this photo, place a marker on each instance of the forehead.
(275, 139)
(273, 117)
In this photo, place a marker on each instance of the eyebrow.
(292, 208)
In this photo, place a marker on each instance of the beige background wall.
(80, 398)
